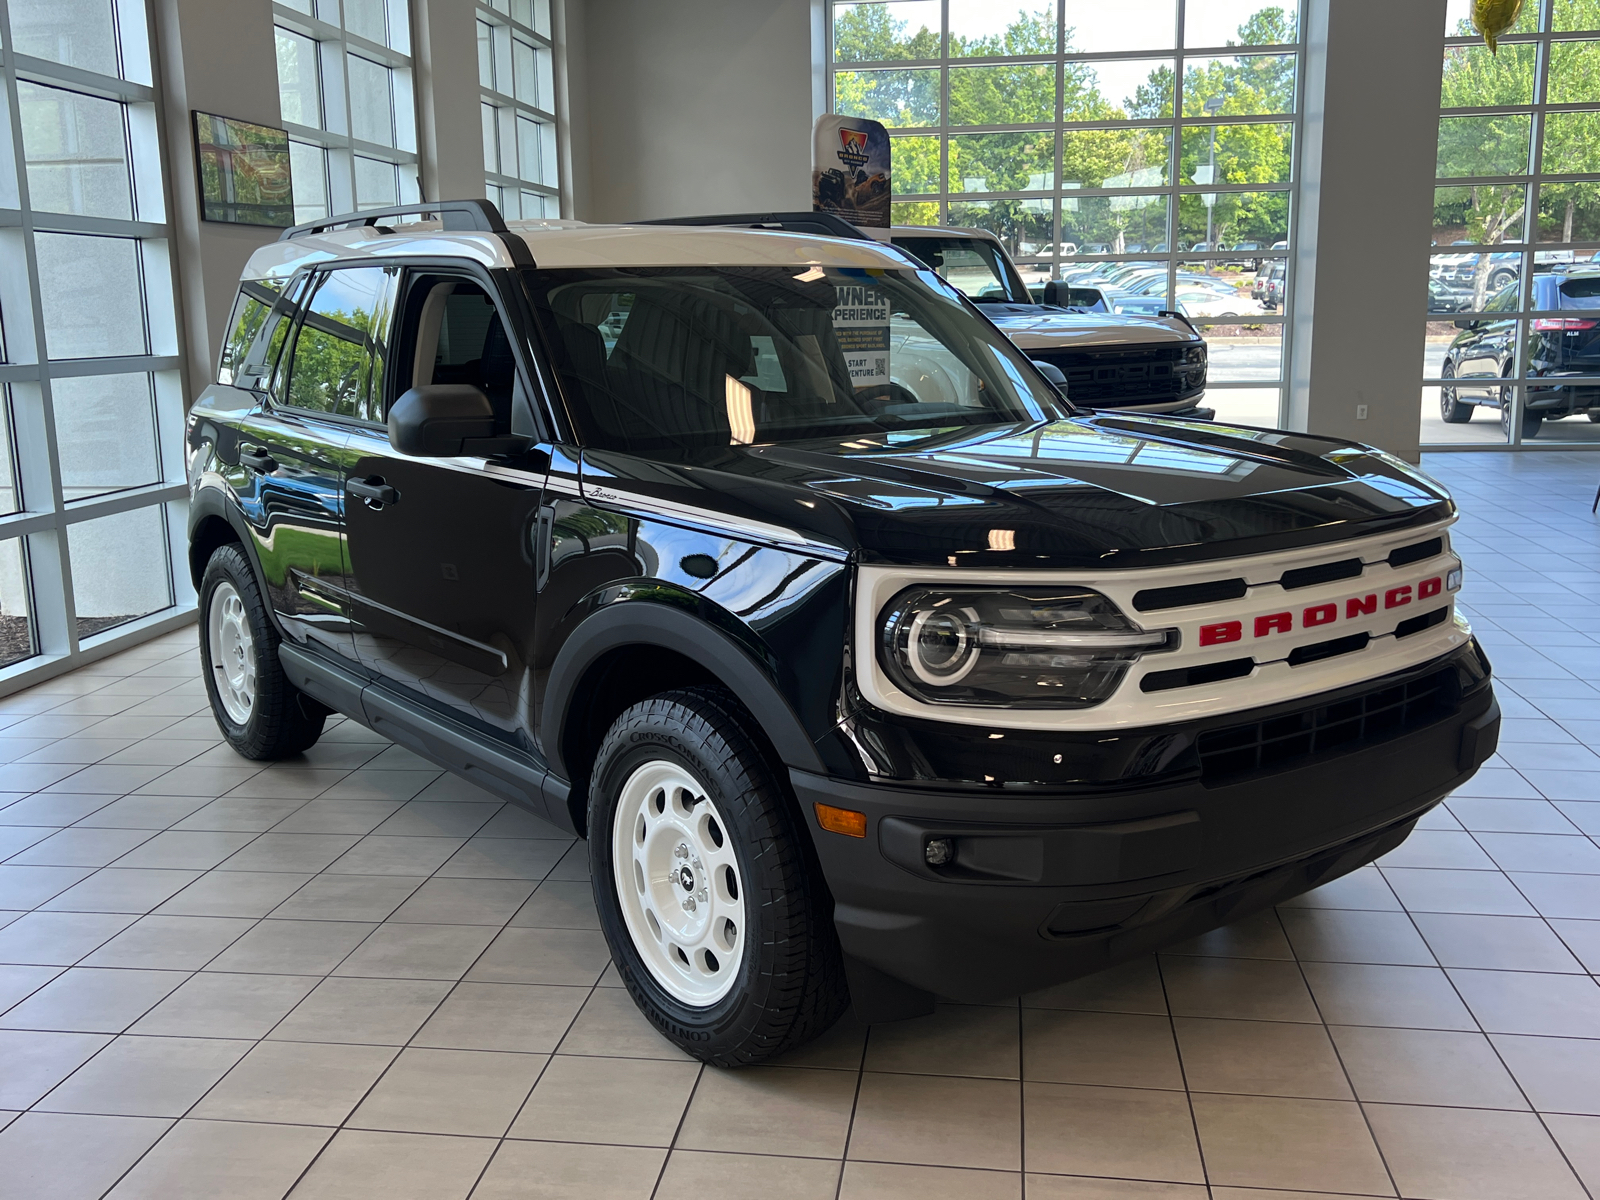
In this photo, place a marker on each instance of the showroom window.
(91, 415)
(516, 78)
(345, 85)
(1511, 354)
(1143, 151)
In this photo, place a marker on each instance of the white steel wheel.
(678, 883)
(233, 652)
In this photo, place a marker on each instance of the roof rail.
(824, 223)
(458, 216)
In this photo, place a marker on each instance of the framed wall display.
(244, 172)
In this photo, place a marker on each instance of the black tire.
(1451, 410)
(282, 721)
(789, 983)
(1531, 424)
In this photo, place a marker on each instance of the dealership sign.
(850, 170)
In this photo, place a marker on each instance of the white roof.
(574, 244)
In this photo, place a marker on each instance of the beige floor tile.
(1228, 1193)
(469, 1092)
(1121, 1133)
(1496, 943)
(168, 943)
(359, 817)
(619, 1101)
(779, 1110)
(897, 1181)
(143, 812)
(695, 1176)
(1471, 1154)
(50, 1156)
(365, 783)
(362, 1165)
(1558, 1074)
(58, 939)
(505, 857)
(278, 947)
(957, 1039)
(240, 814)
(1425, 1066)
(206, 1160)
(1260, 1058)
(146, 1077)
(568, 956)
(349, 897)
(503, 1016)
(1254, 1141)
(465, 901)
(17, 982)
(1079, 1187)
(1583, 939)
(92, 1000)
(80, 848)
(288, 783)
(1523, 1002)
(119, 889)
(428, 818)
(1133, 987)
(226, 1006)
(938, 1121)
(1343, 935)
(1245, 989)
(562, 1171)
(1579, 1139)
(1116, 1049)
(842, 1048)
(31, 1063)
(290, 852)
(417, 952)
(296, 1083)
(559, 904)
(385, 854)
(1360, 994)
(381, 1012)
(186, 850)
(1439, 848)
(611, 1024)
(235, 894)
(1259, 935)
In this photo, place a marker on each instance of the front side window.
(341, 346)
(679, 360)
(455, 334)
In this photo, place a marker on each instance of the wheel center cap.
(686, 879)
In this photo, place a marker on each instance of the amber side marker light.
(841, 820)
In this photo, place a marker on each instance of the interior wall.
(699, 106)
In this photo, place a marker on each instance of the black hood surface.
(1093, 491)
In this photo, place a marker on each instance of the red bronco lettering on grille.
(1321, 614)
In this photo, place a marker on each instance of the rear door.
(331, 329)
(442, 570)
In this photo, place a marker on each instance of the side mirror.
(1053, 293)
(1053, 373)
(1461, 323)
(442, 420)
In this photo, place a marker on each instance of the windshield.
(971, 264)
(684, 359)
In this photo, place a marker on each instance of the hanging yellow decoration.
(1493, 17)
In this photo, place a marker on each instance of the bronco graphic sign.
(850, 170)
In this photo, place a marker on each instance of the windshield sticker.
(861, 323)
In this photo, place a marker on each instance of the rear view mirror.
(442, 420)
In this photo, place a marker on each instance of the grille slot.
(1165, 681)
(1417, 624)
(1129, 375)
(1300, 655)
(1190, 593)
(1416, 552)
(1325, 731)
(1346, 568)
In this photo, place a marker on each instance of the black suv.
(870, 669)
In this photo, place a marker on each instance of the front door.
(442, 550)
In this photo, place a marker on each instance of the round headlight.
(942, 646)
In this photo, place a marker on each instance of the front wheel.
(1451, 410)
(708, 892)
(260, 713)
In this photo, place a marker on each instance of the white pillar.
(444, 47)
(1360, 257)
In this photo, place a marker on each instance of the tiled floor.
(350, 976)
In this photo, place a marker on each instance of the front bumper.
(1048, 886)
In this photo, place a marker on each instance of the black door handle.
(373, 490)
(258, 460)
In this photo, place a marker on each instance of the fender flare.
(644, 622)
(213, 501)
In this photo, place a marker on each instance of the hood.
(1091, 492)
(1039, 327)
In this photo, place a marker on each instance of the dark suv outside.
(1561, 343)
(870, 669)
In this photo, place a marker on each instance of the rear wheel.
(260, 713)
(1451, 410)
(707, 890)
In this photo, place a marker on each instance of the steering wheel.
(884, 395)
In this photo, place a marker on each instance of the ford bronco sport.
(870, 669)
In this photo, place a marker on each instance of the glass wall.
(516, 79)
(1143, 151)
(1511, 351)
(91, 470)
(345, 85)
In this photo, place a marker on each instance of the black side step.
(511, 776)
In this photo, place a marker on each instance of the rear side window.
(248, 350)
(341, 348)
(1583, 288)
